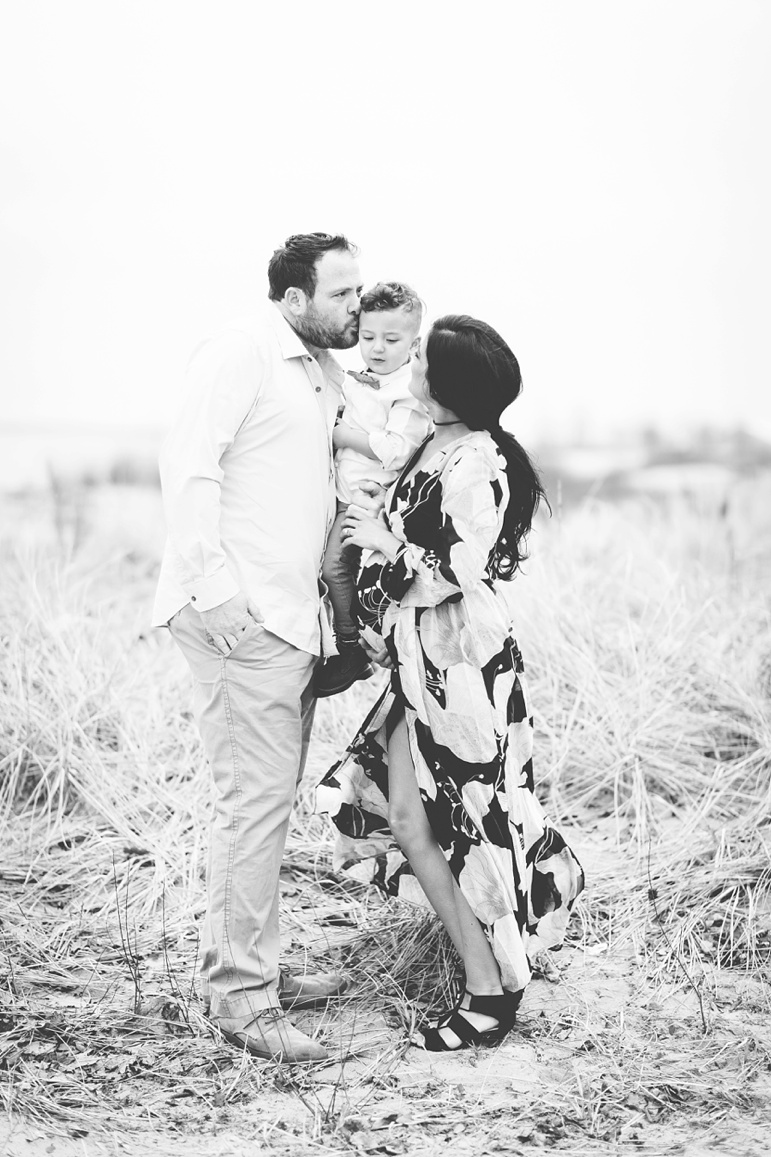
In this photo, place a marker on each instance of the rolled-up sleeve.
(224, 378)
(407, 425)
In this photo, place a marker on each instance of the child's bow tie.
(365, 379)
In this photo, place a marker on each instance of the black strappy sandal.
(502, 1008)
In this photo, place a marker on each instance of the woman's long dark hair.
(472, 372)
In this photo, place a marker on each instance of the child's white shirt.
(396, 424)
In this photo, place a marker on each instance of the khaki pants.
(254, 710)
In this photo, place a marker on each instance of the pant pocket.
(251, 629)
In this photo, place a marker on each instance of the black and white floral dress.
(458, 680)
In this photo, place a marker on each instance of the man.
(249, 495)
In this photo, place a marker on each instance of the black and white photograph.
(385, 542)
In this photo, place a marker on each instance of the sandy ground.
(607, 1058)
(576, 1088)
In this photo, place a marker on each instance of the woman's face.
(418, 383)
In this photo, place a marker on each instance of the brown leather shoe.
(311, 990)
(270, 1035)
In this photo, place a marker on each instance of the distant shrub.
(133, 472)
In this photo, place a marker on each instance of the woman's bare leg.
(410, 826)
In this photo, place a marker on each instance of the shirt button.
(192, 598)
(318, 389)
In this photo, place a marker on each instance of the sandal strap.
(434, 1042)
(494, 1006)
(464, 1028)
(502, 1007)
(456, 1023)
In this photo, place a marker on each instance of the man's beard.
(315, 332)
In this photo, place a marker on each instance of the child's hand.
(345, 437)
(372, 496)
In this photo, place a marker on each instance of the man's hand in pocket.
(226, 623)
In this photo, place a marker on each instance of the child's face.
(386, 337)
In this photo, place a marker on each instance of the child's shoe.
(340, 672)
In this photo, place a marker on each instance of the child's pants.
(340, 570)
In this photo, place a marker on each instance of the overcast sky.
(590, 176)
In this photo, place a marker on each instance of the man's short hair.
(294, 263)
(393, 295)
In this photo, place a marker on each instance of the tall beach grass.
(645, 630)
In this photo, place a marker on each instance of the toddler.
(382, 425)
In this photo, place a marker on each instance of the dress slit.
(459, 682)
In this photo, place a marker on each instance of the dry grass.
(646, 631)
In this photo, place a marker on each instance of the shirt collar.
(292, 347)
(288, 340)
(386, 379)
(331, 367)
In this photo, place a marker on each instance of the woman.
(437, 786)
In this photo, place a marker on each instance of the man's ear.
(296, 301)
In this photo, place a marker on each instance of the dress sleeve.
(472, 507)
(407, 425)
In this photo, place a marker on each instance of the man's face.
(330, 319)
(385, 339)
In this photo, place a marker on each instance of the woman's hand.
(374, 645)
(378, 655)
(360, 528)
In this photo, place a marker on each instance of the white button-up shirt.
(396, 424)
(247, 478)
